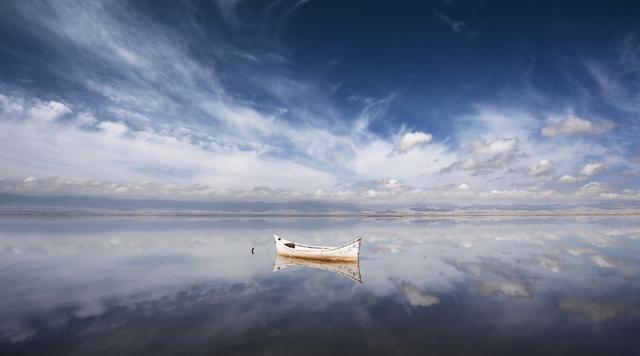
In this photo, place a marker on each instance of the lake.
(187, 286)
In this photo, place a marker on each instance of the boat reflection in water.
(349, 269)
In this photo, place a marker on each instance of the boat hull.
(348, 252)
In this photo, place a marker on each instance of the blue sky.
(364, 101)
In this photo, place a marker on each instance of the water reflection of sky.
(162, 286)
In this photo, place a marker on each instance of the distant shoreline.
(425, 215)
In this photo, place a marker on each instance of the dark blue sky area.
(498, 48)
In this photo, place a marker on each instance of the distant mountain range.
(12, 204)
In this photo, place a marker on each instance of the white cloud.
(415, 296)
(603, 261)
(469, 164)
(594, 188)
(567, 179)
(487, 166)
(551, 263)
(75, 153)
(389, 184)
(113, 128)
(508, 288)
(542, 167)
(371, 160)
(572, 125)
(595, 312)
(525, 125)
(587, 170)
(48, 111)
(30, 180)
(386, 191)
(9, 106)
(168, 155)
(497, 146)
(592, 168)
(411, 140)
(86, 119)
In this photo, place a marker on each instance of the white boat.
(348, 252)
(349, 269)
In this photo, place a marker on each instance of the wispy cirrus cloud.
(572, 125)
(66, 148)
(494, 147)
(615, 78)
(456, 25)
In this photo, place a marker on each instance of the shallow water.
(192, 287)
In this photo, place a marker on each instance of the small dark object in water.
(252, 251)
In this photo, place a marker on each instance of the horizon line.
(395, 215)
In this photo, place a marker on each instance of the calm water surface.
(193, 287)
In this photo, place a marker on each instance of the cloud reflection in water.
(140, 286)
